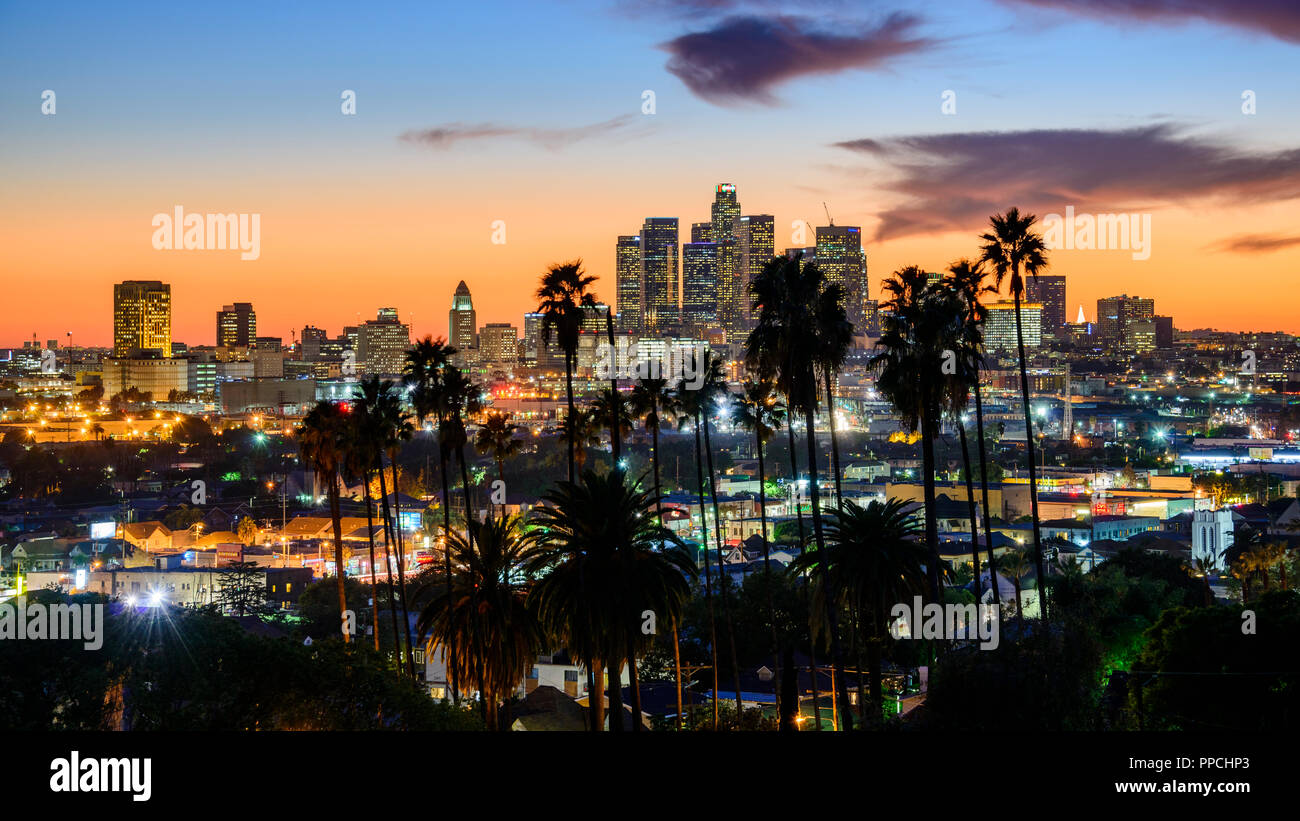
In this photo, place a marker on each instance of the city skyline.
(402, 198)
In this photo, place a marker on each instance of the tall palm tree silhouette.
(759, 411)
(323, 440)
(562, 299)
(1015, 250)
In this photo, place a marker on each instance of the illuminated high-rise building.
(725, 212)
(659, 244)
(755, 237)
(499, 342)
(1000, 325)
(237, 325)
(382, 344)
(701, 232)
(461, 319)
(1049, 291)
(1116, 316)
(142, 318)
(841, 259)
(627, 272)
(700, 285)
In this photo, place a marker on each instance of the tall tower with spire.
(462, 321)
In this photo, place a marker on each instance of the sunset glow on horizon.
(469, 116)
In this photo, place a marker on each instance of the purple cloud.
(1277, 18)
(1256, 243)
(742, 59)
(446, 136)
(953, 182)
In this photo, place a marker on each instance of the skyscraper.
(461, 319)
(382, 344)
(700, 297)
(701, 232)
(755, 237)
(627, 272)
(237, 325)
(1117, 314)
(142, 318)
(842, 261)
(728, 309)
(1049, 290)
(499, 342)
(659, 243)
(1000, 325)
(725, 212)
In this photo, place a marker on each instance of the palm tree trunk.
(794, 474)
(767, 569)
(984, 485)
(835, 444)
(388, 574)
(464, 482)
(370, 536)
(634, 684)
(615, 401)
(723, 582)
(708, 576)
(401, 581)
(659, 514)
(1029, 445)
(840, 701)
(568, 389)
(450, 650)
(928, 433)
(677, 673)
(338, 555)
(970, 503)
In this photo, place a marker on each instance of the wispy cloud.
(1276, 18)
(744, 58)
(1256, 243)
(952, 182)
(448, 135)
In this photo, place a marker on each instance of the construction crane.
(828, 215)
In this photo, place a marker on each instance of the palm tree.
(481, 620)
(323, 441)
(689, 404)
(496, 437)
(921, 324)
(759, 411)
(1202, 568)
(1015, 565)
(605, 562)
(393, 427)
(462, 399)
(834, 339)
(967, 280)
(790, 298)
(425, 365)
(712, 394)
(607, 407)
(361, 458)
(561, 300)
(580, 430)
(651, 401)
(874, 552)
(1013, 247)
